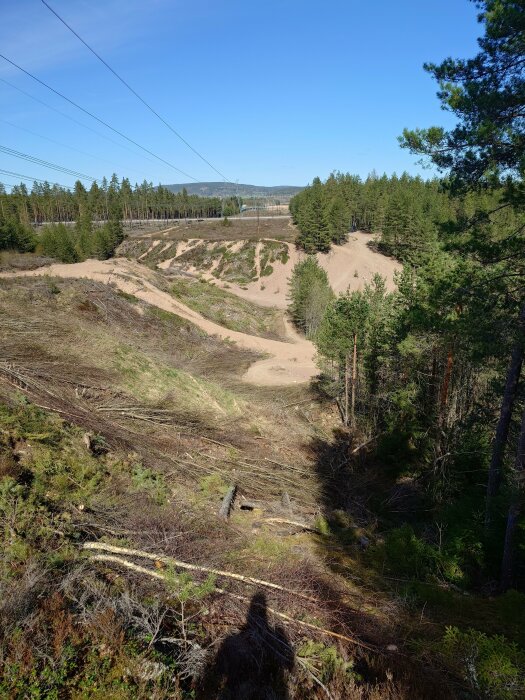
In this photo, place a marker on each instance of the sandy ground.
(290, 363)
(349, 266)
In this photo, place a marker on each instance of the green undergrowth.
(67, 631)
(480, 638)
(151, 381)
(231, 261)
(161, 252)
(491, 665)
(235, 261)
(227, 309)
(237, 264)
(272, 252)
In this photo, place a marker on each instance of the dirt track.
(290, 363)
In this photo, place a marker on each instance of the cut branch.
(155, 574)
(193, 567)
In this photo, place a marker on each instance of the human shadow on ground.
(252, 664)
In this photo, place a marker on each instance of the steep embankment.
(265, 267)
(256, 271)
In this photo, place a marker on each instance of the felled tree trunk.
(227, 502)
(347, 389)
(354, 382)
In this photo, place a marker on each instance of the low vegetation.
(228, 310)
(122, 431)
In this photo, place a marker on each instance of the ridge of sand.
(148, 251)
(348, 266)
(290, 363)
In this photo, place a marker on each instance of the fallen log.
(194, 567)
(155, 574)
(295, 523)
(227, 502)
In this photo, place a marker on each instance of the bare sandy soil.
(290, 363)
(349, 266)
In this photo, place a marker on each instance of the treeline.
(67, 243)
(49, 203)
(99, 214)
(410, 215)
(430, 376)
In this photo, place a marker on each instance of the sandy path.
(290, 363)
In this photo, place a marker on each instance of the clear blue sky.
(271, 93)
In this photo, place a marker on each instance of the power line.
(72, 119)
(98, 119)
(146, 104)
(32, 179)
(45, 163)
(63, 145)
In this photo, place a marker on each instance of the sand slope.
(348, 266)
(290, 363)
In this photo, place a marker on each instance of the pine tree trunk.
(515, 509)
(502, 430)
(347, 386)
(354, 380)
(443, 398)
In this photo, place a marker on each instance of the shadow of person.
(251, 664)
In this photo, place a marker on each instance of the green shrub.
(404, 554)
(326, 661)
(15, 236)
(58, 241)
(144, 479)
(491, 665)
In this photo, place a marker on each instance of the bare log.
(227, 502)
(295, 523)
(193, 567)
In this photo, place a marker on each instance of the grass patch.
(272, 252)
(227, 309)
(154, 382)
(128, 297)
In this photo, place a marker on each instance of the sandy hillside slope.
(290, 363)
(349, 266)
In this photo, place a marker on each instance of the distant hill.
(226, 189)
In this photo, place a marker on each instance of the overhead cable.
(98, 119)
(146, 104)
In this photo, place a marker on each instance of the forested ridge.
(413, 217)
(46, 202)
